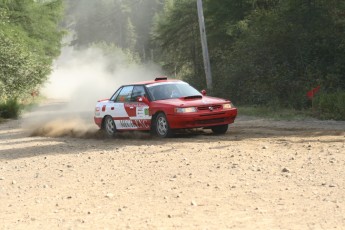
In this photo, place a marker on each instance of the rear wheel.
(220, 129)
(161, 126)
(109, 126)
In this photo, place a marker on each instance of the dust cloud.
(79, 79)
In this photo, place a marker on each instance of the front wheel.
(220, 129)
(109, 126)
(161, 126)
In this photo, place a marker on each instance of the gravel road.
(58, 172)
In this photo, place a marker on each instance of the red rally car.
(163, 106)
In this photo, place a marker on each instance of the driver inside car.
(171, 92)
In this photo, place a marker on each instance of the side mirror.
(143, 99)
(203, 92)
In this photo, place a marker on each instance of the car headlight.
(228, 106)
(186, 110)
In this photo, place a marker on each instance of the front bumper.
(200, 120)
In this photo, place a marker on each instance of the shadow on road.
(50, 130)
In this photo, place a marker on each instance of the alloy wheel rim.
(110, 126)
(162, 126)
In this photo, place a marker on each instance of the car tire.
(161, 126)
(109, 126)
(220, 129)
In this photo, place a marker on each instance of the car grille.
(210, 121)
(212, 114)
(208, 107)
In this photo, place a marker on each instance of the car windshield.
(168, 90)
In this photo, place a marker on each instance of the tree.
(103, 21)
(127, 24)
(287, 50)
(177, 37)
(263, 51)
(29, 41)
(21, 70)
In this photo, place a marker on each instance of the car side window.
(113, 98)
(125, 94)
(138, 91)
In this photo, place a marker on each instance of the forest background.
(268, 53)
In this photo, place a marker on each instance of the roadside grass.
(274, 113)
(13, 108)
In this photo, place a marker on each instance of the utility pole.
(207, 64)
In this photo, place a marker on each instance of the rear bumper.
(199, 120)
(98, 121)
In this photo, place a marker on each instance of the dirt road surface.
(261, 174)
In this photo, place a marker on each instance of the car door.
(138, 111)
(121, 111)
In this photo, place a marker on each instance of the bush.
(10, 109)
(330, 106)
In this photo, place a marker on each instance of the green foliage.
(262, 52)
(20, 69)
(330, 106)
(10, 109)
(29, 41)
(127, 24)
(177, 39)
(39, 19)
(280, 54)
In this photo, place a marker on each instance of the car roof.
(157, 80)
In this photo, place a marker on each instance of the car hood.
(191, 102)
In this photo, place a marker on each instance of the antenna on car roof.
(161, 78)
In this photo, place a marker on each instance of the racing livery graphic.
(163, 106)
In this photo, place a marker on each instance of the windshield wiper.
(192, 97)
